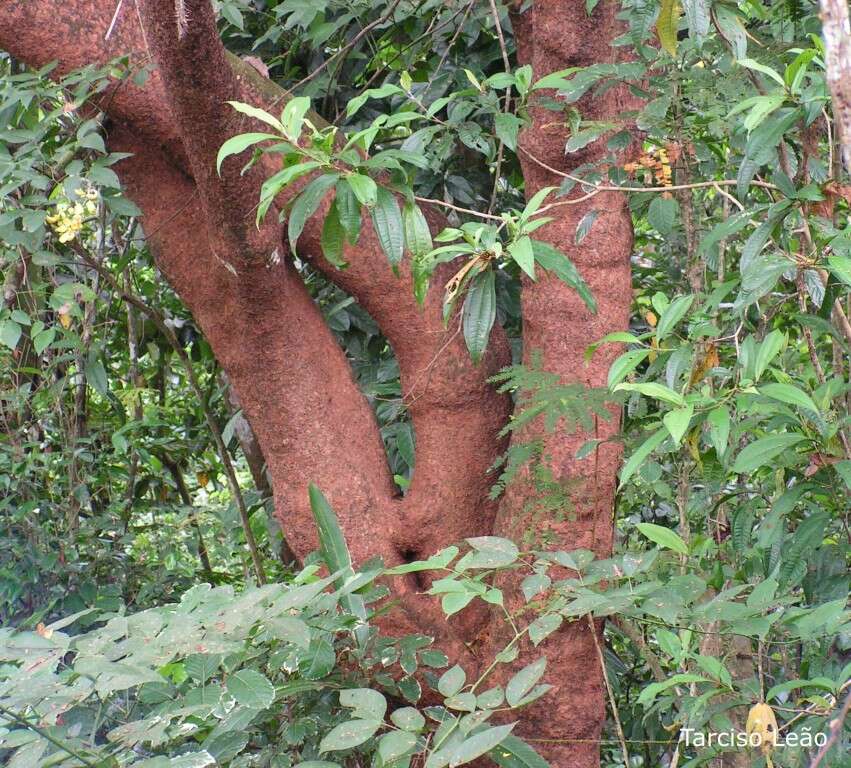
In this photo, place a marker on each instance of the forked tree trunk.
(293, 380)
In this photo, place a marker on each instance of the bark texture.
(293, 381)
(551, 36)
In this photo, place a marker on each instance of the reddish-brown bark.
(551, 36)
(294, 383)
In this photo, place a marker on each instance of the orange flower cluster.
(656, 165)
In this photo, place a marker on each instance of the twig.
(506, 109)
(612, 701)
(835, 729)
(346, 48)
(45, 735)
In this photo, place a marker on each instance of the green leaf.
(469, 749)
(664, 537)
(387, 221)
(349, 734)
(654, 390)
(417, 232)
(522, 252)
(719, 428)
(643, 451)
(556, 262)
(305, 205)
(333, 238)
(672, 315)
(348, 209)
(408, 719)
(293, 116)
(581, 139)
(202, 666)
(257, 114)
(274, 184)
(584, 226)
(677, 422)
(335, 553)
(662, 214)
(479, 313)
(365, 189)
(787, 393)
(524, 681)
(840, 267)
(757, 67)
(507, 126)
(237, 144)
(451, 681)
(543, 627)
(10, 333)
(624, 365)
(768, 350)
(762, 451)
(96, 375)
(395, 744)
(516, 753)
(251, 689)
(650, 692)
(367, 704)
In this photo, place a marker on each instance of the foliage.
(730, 582)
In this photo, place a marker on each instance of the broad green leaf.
(757, 67)
(516, 753)
(664, 537)
(672, 315)
(274, 184)
(583, 229)
(349, 734)
(96, 375)
(240, 143)
(523, 682)
(650, 692)
(479, 313)
(543, 627)
(768, 350)
(10, 333)
(840, 267)
(333, 238)
(762, 451)
(788, 393)
(624, 365)
(202, 666)
(654, 390)
(556, 262)
(417, 232)
(366, 703)
(522, 252)
(348, 209)
(469, 749)
(305, 205)
(507, 126)
(395, 744)
(662, 214)
(257, 114)
(336, 555)
(293, 116)
(677, 422)
(451, 681)
(387, 221)
(719, 428)
(408, 719)
(643, 451)
(365, 189)
(251, 689)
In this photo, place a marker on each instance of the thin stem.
(45, 735)
(609, 691)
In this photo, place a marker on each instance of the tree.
(294, 382)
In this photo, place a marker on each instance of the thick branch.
(198, 82)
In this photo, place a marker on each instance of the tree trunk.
(292, 379)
